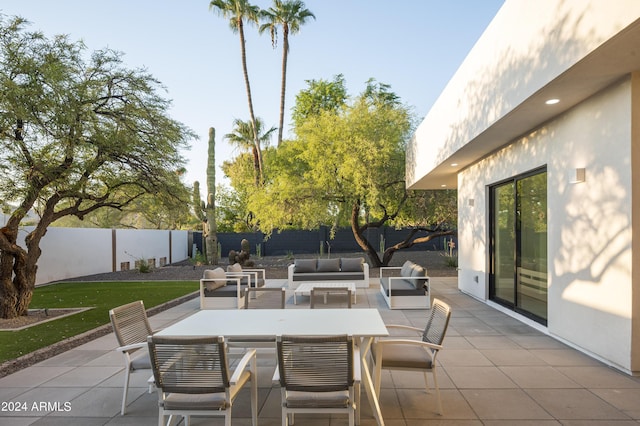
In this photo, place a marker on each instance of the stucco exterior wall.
(527, 45)
(589, 223)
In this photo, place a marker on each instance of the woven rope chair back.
(264, 298)
(438, 322)
(130, 323)
(189, 365)
(316, 364)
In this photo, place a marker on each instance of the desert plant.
(205, 211)
(451, 260)
(241, 257)
(198, 258)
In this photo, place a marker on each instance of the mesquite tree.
(78, 133)
(346, 167)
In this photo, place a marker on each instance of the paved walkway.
(494, 371)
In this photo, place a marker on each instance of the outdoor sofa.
(346, 269)
(225, 290)
(406, 286)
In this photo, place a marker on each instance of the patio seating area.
(493, 370)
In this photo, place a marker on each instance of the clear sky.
(413, 45)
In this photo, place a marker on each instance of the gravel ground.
(275, 267)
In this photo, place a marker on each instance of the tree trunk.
(283, 87)
(369, 249)
(358, 234)
(250, 100)
(256, 165)
(18, 269)
(410, 242)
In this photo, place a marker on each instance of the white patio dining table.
(363, 324)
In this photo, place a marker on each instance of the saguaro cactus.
(206, 211)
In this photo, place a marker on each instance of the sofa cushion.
(218, 275)
(351, 264)
(305, 265)
(226, 291)
(400, 287)
(418, 271)
(328, 265)
(329, 276)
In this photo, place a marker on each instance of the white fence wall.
(74, 252)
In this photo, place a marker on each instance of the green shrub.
(143, 266)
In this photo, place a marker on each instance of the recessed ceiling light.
(443, 186)
(552, 101)
(454, 164)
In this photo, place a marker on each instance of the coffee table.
(305, 288)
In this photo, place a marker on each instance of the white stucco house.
(539, 131)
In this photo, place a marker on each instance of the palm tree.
(243, 138)
(290, 15)
(237, 11)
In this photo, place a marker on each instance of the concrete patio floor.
(494, 370)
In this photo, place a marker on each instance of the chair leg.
(125, 391)
(283, 409)
(426, 382)
(377, 376)
(435, 384)
(254, 399)
(358, 395)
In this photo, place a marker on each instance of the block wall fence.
(75, 252)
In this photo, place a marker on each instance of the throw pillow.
(234, 268)
(329, 265)
(305, 265)
(406, 269)
(418, 271)
(352, 264)
(214, 274)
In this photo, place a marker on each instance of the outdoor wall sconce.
(580, 175)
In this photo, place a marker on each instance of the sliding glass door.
(518, 236)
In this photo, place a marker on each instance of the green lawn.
(101, 296)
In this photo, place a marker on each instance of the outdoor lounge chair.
(420, 355)
(131, 327)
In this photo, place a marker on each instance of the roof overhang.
(610, 62)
